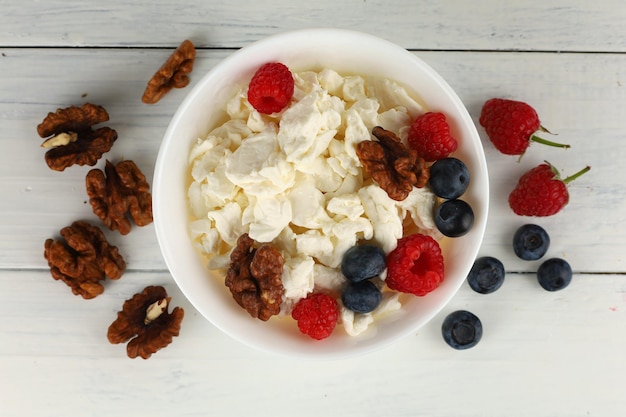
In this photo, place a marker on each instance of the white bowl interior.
(345, 52)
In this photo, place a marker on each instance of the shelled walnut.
(84, 259)
(172, 74)
(395, 167)
(254, 278)
(119, 191)
(71, 139)
(145, 323)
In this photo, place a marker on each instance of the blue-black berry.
(462, 330)
(363, 262)
(531, 242)
(361, 297)
(449, 178)
(454, 218)
(486, 275)
(554, 274)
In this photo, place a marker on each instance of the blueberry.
(554, 274)
(361, 297)
(362, 262)
(462, 330)
(454, 218)
(449, 178)
(531, 242)
(486, 275)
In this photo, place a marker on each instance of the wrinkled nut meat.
(70, 138)
(172, 74)
(119, 191)
(254, 278)
(145, 323)
(85, 259)
(395, 167)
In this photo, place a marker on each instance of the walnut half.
(120, 190)
(172, 74)
(395, 167)
(70, 138)
(84, 259)
(254, 278)
(145, 323)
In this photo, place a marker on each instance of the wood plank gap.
(229, 48)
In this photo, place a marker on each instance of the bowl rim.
(163, 205)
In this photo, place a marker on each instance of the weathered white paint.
(556, 25)
(543, 354)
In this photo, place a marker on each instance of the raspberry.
(415, 266)
(541, 192)
(429, 135)
(316, 315)
(271, 88)
(511, 126)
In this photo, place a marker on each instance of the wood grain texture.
(542, 354)
(557, 25)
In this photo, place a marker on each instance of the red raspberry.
(429, 135)
(511, 125)
(316, 315)
(541, 191)
(415, 266)
(271, 88)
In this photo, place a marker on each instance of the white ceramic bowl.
(345, 52)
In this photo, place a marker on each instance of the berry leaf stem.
(543, 141)
(576, 175)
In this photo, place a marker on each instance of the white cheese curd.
(308, 204)
(328, 279)
(348, 205)
(384, 214)
(298, 277)
(293, 179)
(269, 216)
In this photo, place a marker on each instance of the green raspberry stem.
(576, 175)
(543, 141)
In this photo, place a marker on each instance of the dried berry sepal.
(172, 74)
(395, 167)
(84, 259)
(118, 192)
(254, 278)
(145, 323)
(70, 138)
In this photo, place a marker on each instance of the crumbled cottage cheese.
(294, 179)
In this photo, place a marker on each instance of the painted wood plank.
(542, 354)
(578, 96)
(557, 25)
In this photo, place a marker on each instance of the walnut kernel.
(172, 74)
(139, 324)
(84, 259)
(254, 278)
(395, 167)
(71, 139)
(120, 190)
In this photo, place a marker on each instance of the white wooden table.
(542, 354)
